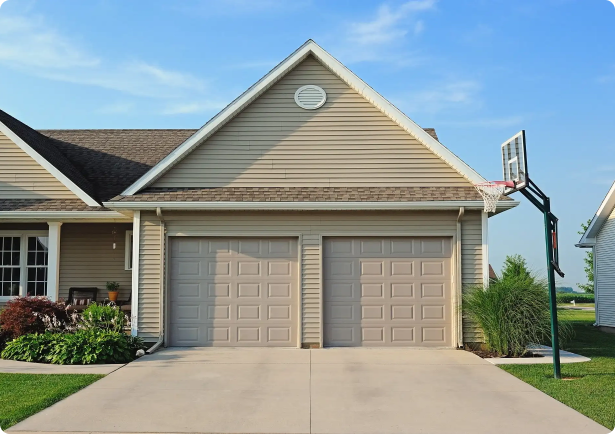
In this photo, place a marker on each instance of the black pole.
(549, 231)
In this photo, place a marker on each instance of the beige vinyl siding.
(23, 178)
(149, 277)
(87, 258)
(605, 273)
(311, 226)
(275, 143)
(471, 266)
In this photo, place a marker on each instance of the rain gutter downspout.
(160, 341)
(459, 288)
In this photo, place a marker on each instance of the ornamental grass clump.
(513, 312)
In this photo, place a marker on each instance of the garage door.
(233, 292)
(387, 292)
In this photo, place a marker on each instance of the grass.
(591, 390)
(22, 395)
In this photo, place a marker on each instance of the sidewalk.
(13, 367)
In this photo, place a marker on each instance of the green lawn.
(591, 387)
(22, 395)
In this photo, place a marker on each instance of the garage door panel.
(244, 294)
(387, 291)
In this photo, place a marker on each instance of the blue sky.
(476, 70)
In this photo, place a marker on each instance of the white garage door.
(387, 292)
(233, 292)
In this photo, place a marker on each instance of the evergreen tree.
(515, 267)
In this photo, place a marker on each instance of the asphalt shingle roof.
(305, 194)
(47, 205)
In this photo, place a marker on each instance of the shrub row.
(566, 298)
(83, 347)
(35, 329)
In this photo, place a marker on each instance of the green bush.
(103, 317)
(83, 347)
(31, 348)
(513, 312)
(91, 346)
(566, 298)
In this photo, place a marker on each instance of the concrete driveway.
(310, 391)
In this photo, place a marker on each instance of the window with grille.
(10, 266)
(37, 266)
(23, 265)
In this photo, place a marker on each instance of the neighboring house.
(287, 220)
(600, 236)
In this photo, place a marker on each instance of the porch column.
(134, 299)
(53, 261)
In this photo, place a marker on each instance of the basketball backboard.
(514, 162)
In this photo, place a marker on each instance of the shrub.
(512, 313)
(578, 297)
(103, 317)
(80, 348)
(91, 346)
(24, 315)
(31, 348)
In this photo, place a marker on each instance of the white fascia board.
(62, 214)
(310, 47)
(605, 209)
(48, 166)
(308, 206)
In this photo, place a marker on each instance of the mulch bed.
(484, 354)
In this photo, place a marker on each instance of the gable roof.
(40, 148)
(310, 47)
(606, 208)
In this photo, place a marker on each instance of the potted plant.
(113, 288)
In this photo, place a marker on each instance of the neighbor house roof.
(336, 67)
(606, 208)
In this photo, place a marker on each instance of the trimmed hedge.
(567, 298)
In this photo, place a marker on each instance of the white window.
(128, 252)
(23, 264)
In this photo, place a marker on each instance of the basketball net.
(491, 192)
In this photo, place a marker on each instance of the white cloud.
(382, 38)
(386, 26)
(29, 45)
(498, 122)
(192, 107)
(237, 7)
(442, 97)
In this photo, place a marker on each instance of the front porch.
(47, 259)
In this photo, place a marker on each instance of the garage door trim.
(233, 235)
(456, 280)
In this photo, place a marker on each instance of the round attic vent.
(310, 97)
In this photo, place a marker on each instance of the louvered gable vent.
(310, 97)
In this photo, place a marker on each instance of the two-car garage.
(376, 291)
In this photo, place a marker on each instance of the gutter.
(308, 206)
(160, 341)
(63, 214)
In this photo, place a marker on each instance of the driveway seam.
(310, 390)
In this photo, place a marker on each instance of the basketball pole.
(550, 221)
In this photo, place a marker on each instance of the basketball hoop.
(491, 191)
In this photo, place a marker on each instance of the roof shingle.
(306, 194)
